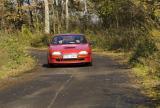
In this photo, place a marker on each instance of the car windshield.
(71, 39)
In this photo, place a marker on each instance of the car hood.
(70, 47)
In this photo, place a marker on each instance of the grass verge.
(147, 81)
(14, 56)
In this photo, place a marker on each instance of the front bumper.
(60, 60)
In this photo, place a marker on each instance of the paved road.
(106, 84)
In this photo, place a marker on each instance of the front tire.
(49, 64)
(90, 64)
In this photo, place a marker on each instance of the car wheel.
(49, 64)
(90, 64)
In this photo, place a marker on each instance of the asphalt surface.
(106, 84)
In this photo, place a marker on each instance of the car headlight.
(56, 53)
(83, 53)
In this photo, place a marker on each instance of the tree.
(67, 16)
(47, 22)
(30, 14)
(85, 6)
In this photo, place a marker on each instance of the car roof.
(69, 35)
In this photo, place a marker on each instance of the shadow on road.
(66, 66)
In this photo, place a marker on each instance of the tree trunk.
(2, 15)
(62, 21)
(53, 18)
(117, 21)
(85, 6)
(58, 22)
(47, 22)
(67, 16)
(31, 15)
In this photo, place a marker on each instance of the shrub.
(15, 47)
(145, 48)
(39, 40)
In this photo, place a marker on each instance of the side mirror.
(48, 44)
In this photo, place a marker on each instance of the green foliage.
(40, 40)
(144, 49)
(12, 19)
(15, 49)
(117, 39)
(34, 39)
(123, 24)
(120, 13)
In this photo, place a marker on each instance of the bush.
(144, 49)
(123, 39)
(36, 39)
(15, 46)
(39, 40)
(99, 39)
(15, 49)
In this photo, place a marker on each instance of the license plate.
(70, 56)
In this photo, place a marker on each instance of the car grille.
(59, 60)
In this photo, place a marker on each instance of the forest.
(123, 26)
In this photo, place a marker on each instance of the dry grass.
(29, 64)
(148, 82)
(14, 59)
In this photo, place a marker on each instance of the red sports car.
(69, 49)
